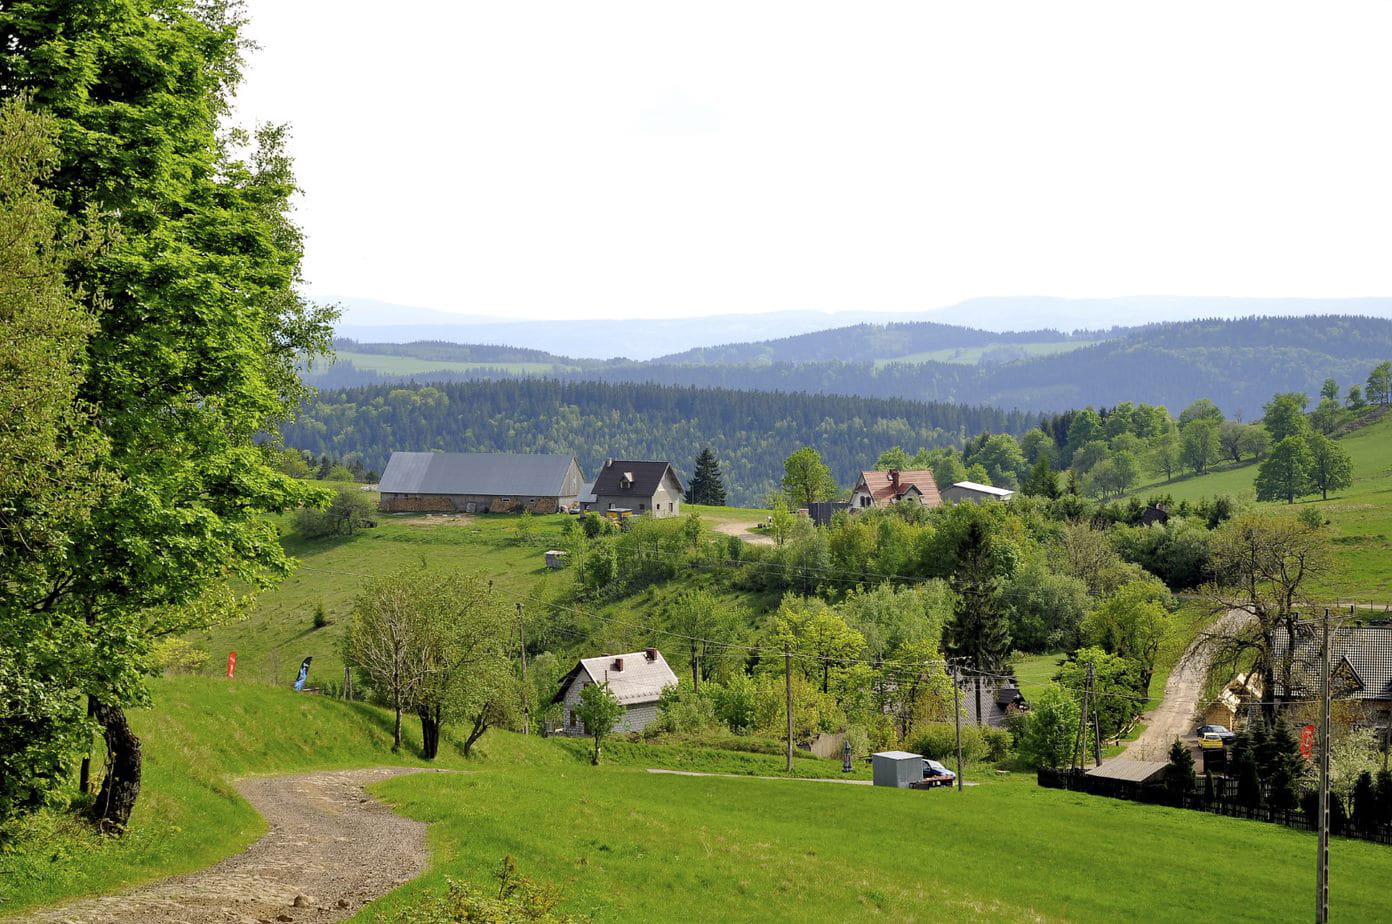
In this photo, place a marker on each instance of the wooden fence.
(1223, 802)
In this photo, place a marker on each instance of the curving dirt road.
(1177, 714)
(331, 849)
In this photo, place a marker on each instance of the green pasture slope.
(1360, 518)
(414, 365)
(619, 842)
(971, 356)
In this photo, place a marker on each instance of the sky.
(656, 159)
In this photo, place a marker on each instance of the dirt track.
(330, 848)
(1176, 716)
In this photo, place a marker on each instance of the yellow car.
(1211, 741)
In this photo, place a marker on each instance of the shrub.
(998, 742)
(517, 900)
(350, 510)
(682, 709)
(178, 656)
(321, 616)
(938, 740)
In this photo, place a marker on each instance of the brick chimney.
(618, 665)
(651, 654)
(894, 480)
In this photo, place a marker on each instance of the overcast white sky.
(659, 159)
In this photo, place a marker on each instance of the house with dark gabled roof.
(479, 482)
(880, 489)
(642, 487)
(1360, 669)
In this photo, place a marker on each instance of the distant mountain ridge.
(1237, 363)
(640, 339)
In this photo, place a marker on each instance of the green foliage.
(49, 481)
(599, 711)
(1045, 608)
(349, 511)
(938, 740)
(979, 634)
(707, 487)
(1285, 475)
(1117, 687)
(750, 432)
(1284, 416)
(1045, 736)
(1331, 467)
(1179, 772)
(200, 331)
(1198, 444)
(1131, 624)
(517, 900)
(806, 480)
(1379, 389)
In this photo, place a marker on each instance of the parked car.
(1220, 730)
(935, 774)
(1211, 741)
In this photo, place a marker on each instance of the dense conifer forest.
(751, 432)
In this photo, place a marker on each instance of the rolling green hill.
(1236, 363)
(1360, 518)
(617, 841)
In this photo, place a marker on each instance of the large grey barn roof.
(505, 474)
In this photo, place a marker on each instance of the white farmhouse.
(636, 679)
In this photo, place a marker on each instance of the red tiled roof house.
(880, 489)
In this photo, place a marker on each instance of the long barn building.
(479, 482)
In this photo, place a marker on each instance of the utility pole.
(957, 718)
(526, 690)
(1096, 721)
(1322, 871)
(788, 692)
(1080, 739)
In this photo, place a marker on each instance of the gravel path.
(1177, 714)
(330, 850)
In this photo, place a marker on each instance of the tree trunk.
(84, 773)
(121, 785)
(430, 731)
(695, 671)
(480, 726)
(977, 682)
(595, 759)
(396, 729)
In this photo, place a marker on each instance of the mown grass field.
(412, 365)
(1360, 517)
(279, 631)
(970, 356)
(619, 842)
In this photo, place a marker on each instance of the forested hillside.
(860, 343)
(1238, 364)
(751, 432)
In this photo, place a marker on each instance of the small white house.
(976, 493)
(636, 679)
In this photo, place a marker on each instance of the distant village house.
(881, 489)
(641, 487)
(479, 482)
(636, 679)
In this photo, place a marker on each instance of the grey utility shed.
(479, 482)
(899, 769)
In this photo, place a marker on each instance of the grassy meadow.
(1360, 517)
(618, 841)
(413, 365)
(971, 356)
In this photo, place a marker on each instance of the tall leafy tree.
(1198, 444)
(600, 711)
(1331, 467)
(978, 637)
(49, 449)
(806, 480)
(196, 344)
(707, 487)
(1284, 415)
(1379, 390)
(1285, 475)
(710, 628)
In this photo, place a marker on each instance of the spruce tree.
(707, 487)
(979, 634)
(1365, 807)
(1282, 778)
(1179, 774)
